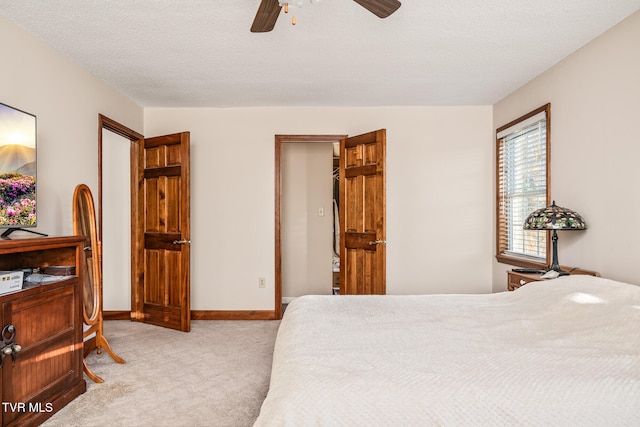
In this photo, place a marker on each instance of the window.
(522, 187)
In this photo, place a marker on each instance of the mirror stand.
(84, 224)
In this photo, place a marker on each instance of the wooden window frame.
(501, 248)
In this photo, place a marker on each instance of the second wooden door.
(362, 214)
(161, 259)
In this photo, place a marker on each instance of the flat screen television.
(18, 207)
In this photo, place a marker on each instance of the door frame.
(105, 123)
(279, 140)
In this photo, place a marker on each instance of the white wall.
(439, 167)
(595, 149)
(439, 203)
(66, 100)
(306, 236)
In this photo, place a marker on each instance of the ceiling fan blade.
(380, 8)
(266, 16)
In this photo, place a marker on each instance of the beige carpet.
(216, 375)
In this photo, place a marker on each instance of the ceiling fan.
(269, 10)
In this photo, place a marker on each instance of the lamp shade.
(554, 218)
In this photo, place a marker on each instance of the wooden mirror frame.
(84, 224)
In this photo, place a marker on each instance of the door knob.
(181, 242)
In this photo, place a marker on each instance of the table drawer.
(515, 280)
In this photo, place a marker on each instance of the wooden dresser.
(46, 321)
(515, 279)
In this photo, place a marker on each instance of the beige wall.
(439, 180)
(595, 149)
(307, 236)
(439, 168)
(66, 100)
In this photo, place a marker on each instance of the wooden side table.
(516, 280)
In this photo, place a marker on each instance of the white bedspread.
(564, 352)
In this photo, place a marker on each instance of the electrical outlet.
(261, 282)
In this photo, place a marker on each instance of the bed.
(563, 352)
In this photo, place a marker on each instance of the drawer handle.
(9, 346)
(522, 282)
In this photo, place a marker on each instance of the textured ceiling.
(199, 53)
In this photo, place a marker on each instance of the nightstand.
(515, 280)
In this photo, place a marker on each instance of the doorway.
(118, 154)
(159, 226)
(362, 211)
(279, 141)
(116, 238)
(307, 223)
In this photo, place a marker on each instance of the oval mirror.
(84, 224)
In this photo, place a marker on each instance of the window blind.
(522, 187)
(522, 124)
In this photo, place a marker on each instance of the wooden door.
(362, 214)
(161, 261)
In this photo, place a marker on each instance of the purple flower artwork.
(17, 168)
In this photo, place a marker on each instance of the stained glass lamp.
(555, 218)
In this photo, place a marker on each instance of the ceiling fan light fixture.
(295, 3)
(268, 11)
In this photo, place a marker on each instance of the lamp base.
(555, 266)
(560, 271)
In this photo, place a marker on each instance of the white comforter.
(564, 352)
